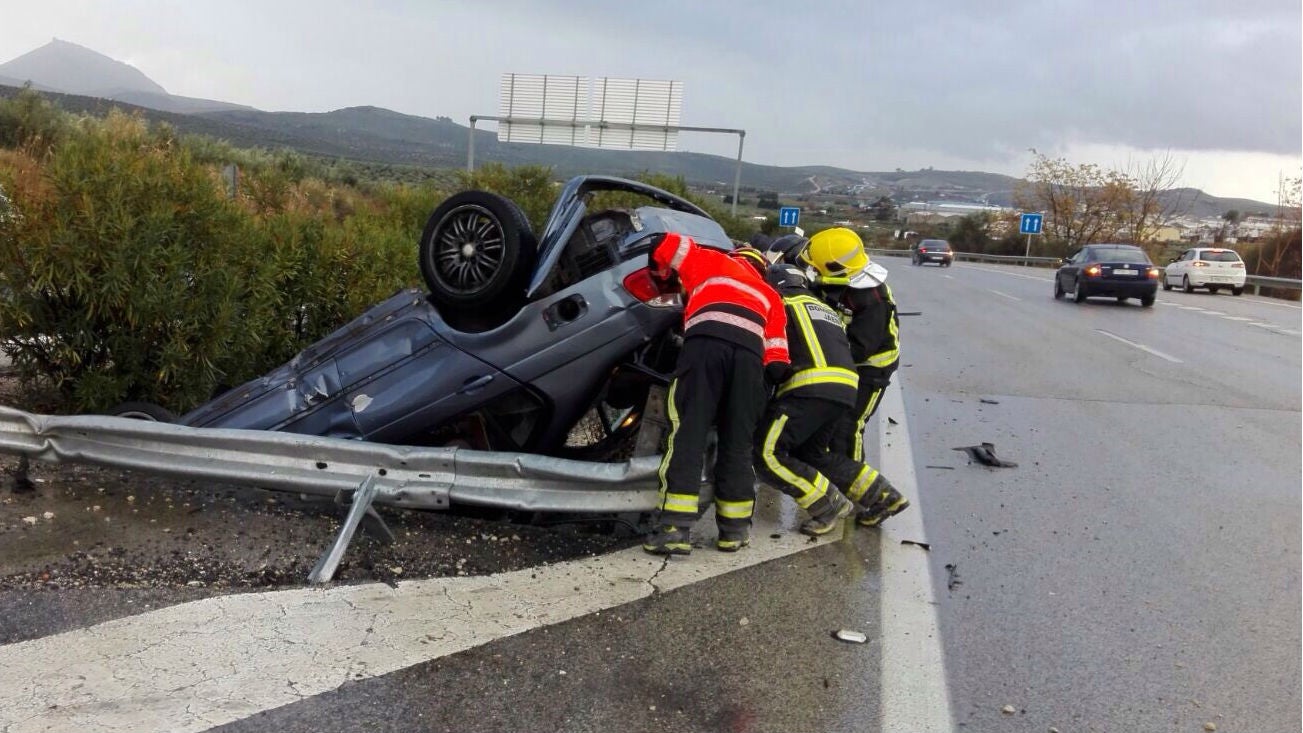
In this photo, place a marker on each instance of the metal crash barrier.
(357, 471)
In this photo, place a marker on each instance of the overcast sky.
(868, 85)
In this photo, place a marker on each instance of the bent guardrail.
(407, 477)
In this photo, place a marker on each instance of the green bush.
(128, 274)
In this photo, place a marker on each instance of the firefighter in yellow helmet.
(856, 286)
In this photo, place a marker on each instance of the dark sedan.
(933, 250)
(1115, 270)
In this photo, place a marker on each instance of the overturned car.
(546, 345)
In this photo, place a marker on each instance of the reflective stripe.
(862, 482)
(888, 357)
(810, 493)
(807, 332)
(780, 343)
(729, 282)
(858, 448)
(734, 509)
(683, 503)
(827, 375)
(685, 245)
(673, 414)
(727, 319)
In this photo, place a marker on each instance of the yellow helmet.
(836, 252)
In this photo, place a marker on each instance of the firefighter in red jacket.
(734, 340)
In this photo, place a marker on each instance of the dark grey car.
(549, 348)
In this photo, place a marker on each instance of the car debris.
(985, 455)
(850, 636)
(926, 546)
(988, 401)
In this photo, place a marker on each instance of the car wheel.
(1079, 292)
(1058, 289)
(1237, 291)
(1147, 301)
(1185, 284)
(1212, 289)
(1167, 285)
(143, 411)
(477, 247)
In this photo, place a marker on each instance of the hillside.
(373, 134)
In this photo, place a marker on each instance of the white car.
(1206, 267)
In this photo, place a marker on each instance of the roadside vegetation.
(140, 264)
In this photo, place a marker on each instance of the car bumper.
(1231, 281)
(935, 258)
(1121, 288)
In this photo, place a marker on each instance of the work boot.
(837, 509)
(733, 539)
(668, 540)
(887, 503)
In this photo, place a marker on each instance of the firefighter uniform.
(857, 288)
(874, 332)
(733, 330)
(808, 408)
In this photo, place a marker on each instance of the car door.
(1178, 269)
(1068, 273)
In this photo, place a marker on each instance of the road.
(1139, 570)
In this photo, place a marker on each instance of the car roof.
(1112, 246)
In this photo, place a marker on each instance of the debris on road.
(1008, 710)
(946, 468)
(985, 455)
(892, 421)
(952, 576)
(1210, 726)
(924, 545)
(853, 637)
(986, 401)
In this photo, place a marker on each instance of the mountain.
(81, 80)
(61, 66)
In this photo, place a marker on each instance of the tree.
(767, 200)
(971, 233)
(1086, 203)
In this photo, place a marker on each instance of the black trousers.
(717, 384)
(849, 438)
(792, 452)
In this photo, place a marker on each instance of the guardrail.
(1254, 282)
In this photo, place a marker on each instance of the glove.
(777, 372)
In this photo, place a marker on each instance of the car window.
(1219, 255)
(1119, 254)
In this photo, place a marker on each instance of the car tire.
(143, 411)
(1237, 291)
(1212, 289)
(1167, 285)
(1058, 289)
(1079, 293)
(1147, 301)
(1185, 284)
(477, 248)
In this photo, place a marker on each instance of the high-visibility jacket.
(821, 354)
(725, 299)
(871, 325)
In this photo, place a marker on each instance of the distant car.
(548, 347)
(1206, 267)
(933, 250)
(1117, 270)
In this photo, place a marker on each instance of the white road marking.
(1142, 347)
(1236, 318)
(1213, 312)
(1011, 274)
(914, 696)
(948, 277)
(1004, 295)
(198, 665)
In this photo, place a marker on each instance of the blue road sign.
(788, 216)
(1030, 224)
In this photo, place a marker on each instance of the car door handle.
(475, 384)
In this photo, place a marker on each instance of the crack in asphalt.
(665, 563)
